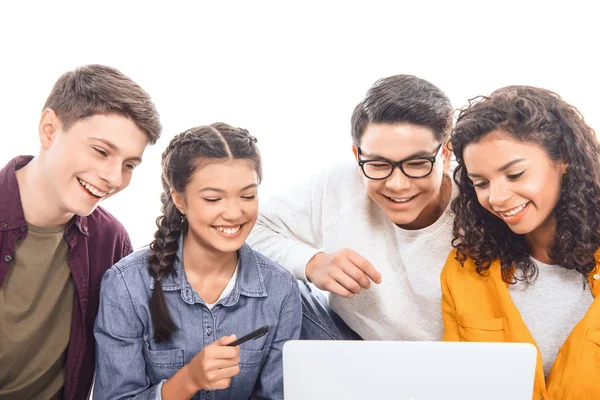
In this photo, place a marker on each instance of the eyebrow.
(502, 168)
(213, 189)
(421, 153)
(114, 148)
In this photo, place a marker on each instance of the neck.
(434, 210)
(541, 239)
(32, 187)
(200, 261)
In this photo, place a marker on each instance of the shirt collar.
(250, 280)
(12, 215)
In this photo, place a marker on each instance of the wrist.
(311, 265)
(180, 386)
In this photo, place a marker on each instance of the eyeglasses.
(412, 167)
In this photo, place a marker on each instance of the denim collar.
(250, 280)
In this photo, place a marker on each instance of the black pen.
(251, 336)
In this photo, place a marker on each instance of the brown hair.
(187, 152)
(539, 117)
(99, 89)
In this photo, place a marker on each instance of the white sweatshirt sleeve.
(289, 226)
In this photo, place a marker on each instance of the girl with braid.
(169, 313)
(526, 264)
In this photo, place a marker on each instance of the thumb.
(225, 340)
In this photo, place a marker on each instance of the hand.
(214, 366)
(344, 272)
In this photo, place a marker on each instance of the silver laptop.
(368, 370)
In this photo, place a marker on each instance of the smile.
(92, 189)
(400, 200)
(513, 211)
(228, 230)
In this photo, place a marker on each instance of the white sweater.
(331, 212)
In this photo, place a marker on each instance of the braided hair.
(185, 153)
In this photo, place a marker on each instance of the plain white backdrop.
(289, 72)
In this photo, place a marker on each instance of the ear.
(355, 151)
(178, 200)
(447, 155)
(563, 167)
(49, 126)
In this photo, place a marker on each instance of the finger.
(226, 373)
(221, 384)
(365, 266)
(225, 340)
(356, 273)
(334, 287)
(346, 281)
(220, 363)
(224, 352)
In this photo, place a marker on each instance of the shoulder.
(108, 222)
(273, 274)
(465, 273)
(132, 271)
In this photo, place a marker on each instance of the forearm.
(180, 386)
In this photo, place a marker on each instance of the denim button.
(208, 331)
(8, 258)
(85, 228)
(4, 225)
(208, 396)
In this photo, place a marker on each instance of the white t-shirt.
(228, 289)
(551, 306)
(331, 212)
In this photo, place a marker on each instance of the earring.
(183, 217)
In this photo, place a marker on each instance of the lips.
(228, 230)
(400, 200)
(513, 211)
(95, 191)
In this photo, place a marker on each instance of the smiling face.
(411, 203)
(515, 181)
(91, 161)
(220, 203)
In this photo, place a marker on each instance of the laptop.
(368, 370)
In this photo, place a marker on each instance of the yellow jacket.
(480, 309)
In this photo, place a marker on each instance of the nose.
(498, 194)
(397, 181)
(233, 211)
(112, 173)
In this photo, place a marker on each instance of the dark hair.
(540, 117)
(98, 89)
(403, 99)
(187, 152)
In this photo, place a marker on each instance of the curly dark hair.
(541, 117)
(187, 152)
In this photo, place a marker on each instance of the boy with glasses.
(373, 235)
(55, 241)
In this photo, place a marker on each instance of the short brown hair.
(99, 89)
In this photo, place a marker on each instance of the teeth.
(404, 200)
(228, 230)
(92, 189)
(514, 210)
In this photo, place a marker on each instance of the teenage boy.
(55, 241)
(375, 231)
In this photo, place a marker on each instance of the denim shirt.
(130, 364)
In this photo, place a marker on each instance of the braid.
(187, 152)
(161, 260)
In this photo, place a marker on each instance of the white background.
(290, 72)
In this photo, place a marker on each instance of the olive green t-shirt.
(36, 307)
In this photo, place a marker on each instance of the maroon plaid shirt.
(96, 242)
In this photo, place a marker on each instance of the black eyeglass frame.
(398, 164)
